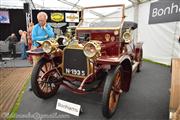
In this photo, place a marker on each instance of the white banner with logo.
(72, 17)
(160, 39)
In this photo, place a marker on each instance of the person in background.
(29, 38)
(40, 32)
(23, 44)
(29, 35)
(12, 44)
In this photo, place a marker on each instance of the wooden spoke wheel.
(44, 80)
(112, 91)
(115, 92)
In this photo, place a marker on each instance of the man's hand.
(46, 36)
(44, 27)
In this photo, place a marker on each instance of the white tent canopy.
(160, 40)
(60, 4)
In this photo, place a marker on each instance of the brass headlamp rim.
(49, 44)
(97, 46)
(127, 40)
(53, 43)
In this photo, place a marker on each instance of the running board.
(134, 67)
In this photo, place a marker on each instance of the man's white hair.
(42, 13)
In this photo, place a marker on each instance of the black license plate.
(75, 63)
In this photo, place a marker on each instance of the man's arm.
(36, 37)
(7, 39)
(49, 31)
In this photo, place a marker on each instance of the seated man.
(12, 44)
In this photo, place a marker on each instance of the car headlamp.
(127, 36)
(49, 46)
(46, 46)
(91, 49)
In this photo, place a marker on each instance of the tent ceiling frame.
(136, 2)
(79, 7)
(71, 4)
(33, 4)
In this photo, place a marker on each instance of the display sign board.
(4, 17)
(68, 107)
(164, 11)
(72, 17)
(57, 17)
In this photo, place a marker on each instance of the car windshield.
(107, 16)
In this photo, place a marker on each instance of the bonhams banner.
(72, 17)
(164, 11)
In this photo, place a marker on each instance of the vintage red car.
(102, 56)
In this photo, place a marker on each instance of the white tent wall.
(129, 13)
(160, 40)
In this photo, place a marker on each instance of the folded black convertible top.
(129, 24)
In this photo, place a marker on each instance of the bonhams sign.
(164, 11)
(72, 17)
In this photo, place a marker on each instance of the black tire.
(38, 85)
(140, 61)
(108, 89)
